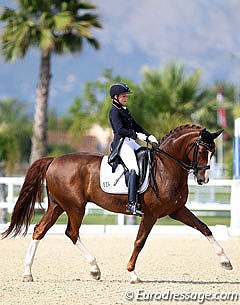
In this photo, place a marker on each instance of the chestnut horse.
(73, 179)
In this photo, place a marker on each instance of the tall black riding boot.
(133, 205)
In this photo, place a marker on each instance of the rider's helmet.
(119, 88)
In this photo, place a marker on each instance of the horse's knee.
(138, 244)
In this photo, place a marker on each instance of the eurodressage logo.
(200, 297)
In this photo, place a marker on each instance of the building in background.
(96, 139)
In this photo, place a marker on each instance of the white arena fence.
(218, 197)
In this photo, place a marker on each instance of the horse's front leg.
(144, 229)
(186, 216)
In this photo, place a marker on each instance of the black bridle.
(194, 167)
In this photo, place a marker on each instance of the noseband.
(194, 167)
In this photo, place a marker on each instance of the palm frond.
(7, 14)
(68, 43)
(47, 40)
(92, 19)
(63, 21)
(15, 40)
(86, 6)
(94, 42)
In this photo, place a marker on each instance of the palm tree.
(53, 26)
(169, 95)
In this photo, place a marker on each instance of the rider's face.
(122, 98)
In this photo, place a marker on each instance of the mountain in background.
(203, 34)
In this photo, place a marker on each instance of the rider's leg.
(133, 205)
(127, 154)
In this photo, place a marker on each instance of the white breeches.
(127, 154)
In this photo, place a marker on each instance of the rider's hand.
(141, 136)
(152, 139)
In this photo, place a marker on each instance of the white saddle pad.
(114, 183)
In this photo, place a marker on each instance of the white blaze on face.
(207, 172)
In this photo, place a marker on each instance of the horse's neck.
(178, 145)
(171, 171)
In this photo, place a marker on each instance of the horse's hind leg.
(94, 270)
(188, 218)
(48, 219)
(74, 223)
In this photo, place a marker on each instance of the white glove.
(152, 139)
(141, 136)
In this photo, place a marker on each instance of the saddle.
(114, 177)
(142, 160)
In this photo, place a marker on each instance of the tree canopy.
(15, 133)
(165, 98)
(58, 26)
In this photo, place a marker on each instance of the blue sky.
(137, 33)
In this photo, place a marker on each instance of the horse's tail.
(31, 192)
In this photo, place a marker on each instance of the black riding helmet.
(119, 88)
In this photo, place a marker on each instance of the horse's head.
(200, 153)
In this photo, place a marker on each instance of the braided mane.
(178, 129)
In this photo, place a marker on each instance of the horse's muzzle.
(202, 180)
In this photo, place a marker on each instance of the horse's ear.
(202, 132)
(205, 136)
(209, 137)
(216, 134)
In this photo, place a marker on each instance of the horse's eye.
(203, 154)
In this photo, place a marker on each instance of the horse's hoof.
(27, 278)
(136, 281)
(227, 265)
(95, 273)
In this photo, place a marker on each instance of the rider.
(126, 130)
